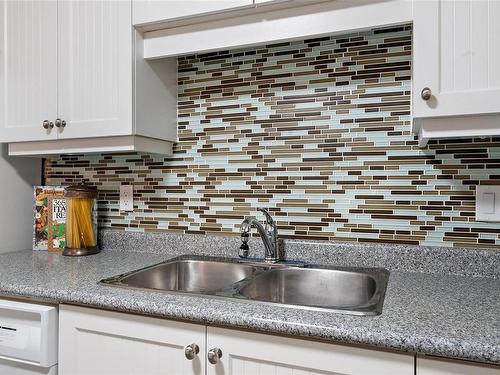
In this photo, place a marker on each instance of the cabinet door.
(28, 69)
(246, 353)
(457, 56)
(429, 366)
(265, 2)
(96, 342)
(148, 11)
(95, 68)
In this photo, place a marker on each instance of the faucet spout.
(268, 234)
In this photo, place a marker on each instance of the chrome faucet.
(268, 233)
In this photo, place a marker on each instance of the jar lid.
(81, 191)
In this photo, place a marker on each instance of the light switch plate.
(488, 203)
(127, 198)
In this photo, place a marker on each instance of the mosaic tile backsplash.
(319, 132)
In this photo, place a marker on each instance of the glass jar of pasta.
(81, 220)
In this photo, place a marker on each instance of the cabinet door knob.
(47, 124)
(214, 355)
(191, 351)
(60, 123)
(426, 93)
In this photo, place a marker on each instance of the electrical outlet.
(488, 203)
(127, 198)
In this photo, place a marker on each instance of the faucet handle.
(269, 218)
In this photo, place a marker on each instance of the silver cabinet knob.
(60, 123)
(191, 351)
(214, 355)
(426, 93)
(47, 124)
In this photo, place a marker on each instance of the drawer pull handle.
(60, 123)
(191, 351)
(214, 355)
(47, 124)
(426, 93)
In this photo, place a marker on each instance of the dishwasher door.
(28, 338)
(16, 368)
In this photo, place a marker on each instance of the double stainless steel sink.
(357, 291)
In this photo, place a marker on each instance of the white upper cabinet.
(270, 22)
(28, 70)
(456, 57)
(73, 79)
(95, 68)
(149, 11)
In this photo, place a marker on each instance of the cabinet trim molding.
(456, 127)
(129, 143)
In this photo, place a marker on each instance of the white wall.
(17, 177)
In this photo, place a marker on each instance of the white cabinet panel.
(429, 366)
(28, 69)
(96, 342)
(95, 68)
(245, 353)
(265, 2)
(457, 56)
(148, 11)
(274, 26)
(81, 62)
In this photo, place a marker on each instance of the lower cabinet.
(97, 342)
(245, 353)
(438, 366)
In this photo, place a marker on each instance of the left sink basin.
(186, 275)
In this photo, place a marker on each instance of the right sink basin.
(355, 292)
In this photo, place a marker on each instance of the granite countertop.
(439, 314)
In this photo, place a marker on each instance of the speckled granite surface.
(473, 262)
(439, 314)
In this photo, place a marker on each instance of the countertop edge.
(397, 342)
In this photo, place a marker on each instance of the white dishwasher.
(28, 338)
